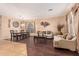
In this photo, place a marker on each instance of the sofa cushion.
(58, 38)
(69, 37)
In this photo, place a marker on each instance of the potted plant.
(59, 27)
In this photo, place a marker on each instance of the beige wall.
(4, 27)
(53, 21)
(0, 26)
(5, 30)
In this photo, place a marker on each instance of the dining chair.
(44, 33)
(13, 35)
(39, 33)
(40, 37)
(24, 34)
(50, 36)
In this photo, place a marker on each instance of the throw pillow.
(64, 36)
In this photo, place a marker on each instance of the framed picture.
(15, 24)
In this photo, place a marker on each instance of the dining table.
(19, 35)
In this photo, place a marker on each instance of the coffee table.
(39, 38)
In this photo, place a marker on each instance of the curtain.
(71, 27)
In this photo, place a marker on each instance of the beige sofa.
(60, 42)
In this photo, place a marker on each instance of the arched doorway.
(31, 27)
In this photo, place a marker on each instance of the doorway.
(31, 27)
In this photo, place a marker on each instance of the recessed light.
(50, 9)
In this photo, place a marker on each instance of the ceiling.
(34, 10)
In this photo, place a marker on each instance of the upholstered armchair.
(49, 35)
(60, 42)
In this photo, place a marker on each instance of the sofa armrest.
(74, 38)
(60, 36)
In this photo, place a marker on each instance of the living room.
(50, 18)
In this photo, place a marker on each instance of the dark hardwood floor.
(46, 49)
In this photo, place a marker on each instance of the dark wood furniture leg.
(11, 37)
